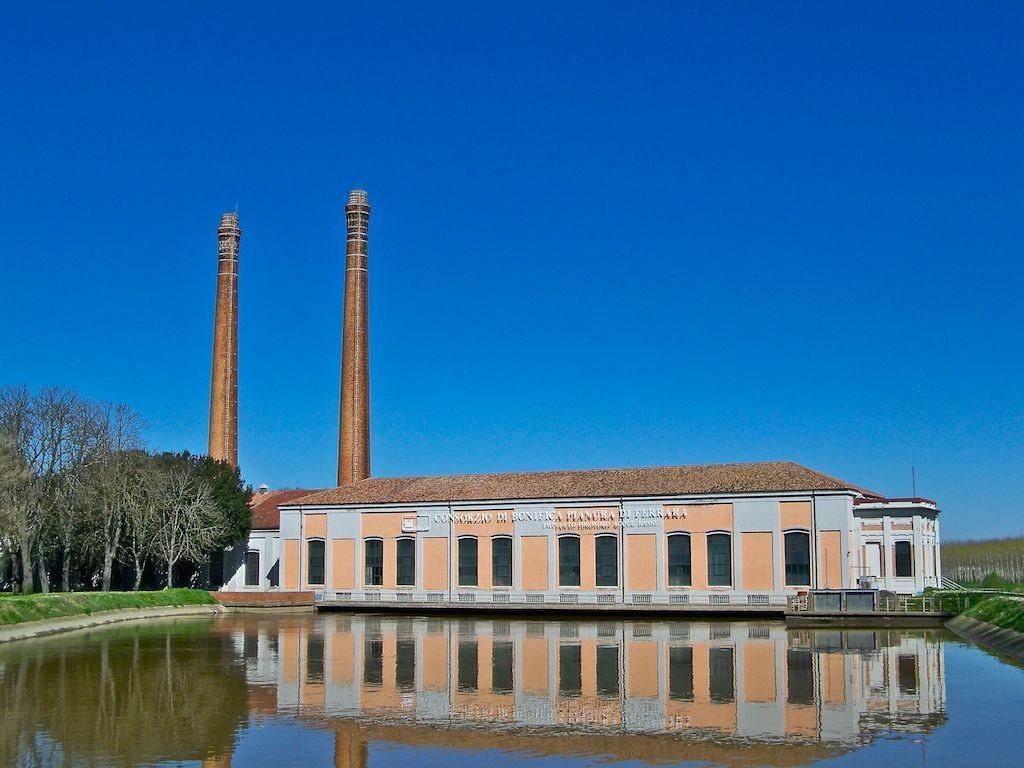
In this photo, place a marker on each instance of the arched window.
(719, 560)
(569, 561)
(679, 571)
(468, 561)
(406, 571)
(373, 562)
(315, 549)
(798, 559)
(904, 559)
(501, 561)
(252, 568)
(606, 561)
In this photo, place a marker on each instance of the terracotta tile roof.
(265, 515)
(756, 477)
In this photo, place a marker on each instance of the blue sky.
(633, 234)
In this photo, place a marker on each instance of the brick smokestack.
(354, 427)
(224, 381)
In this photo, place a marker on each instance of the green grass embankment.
(15, 609)
(1002, 612)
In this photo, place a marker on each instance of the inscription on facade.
(569, 519)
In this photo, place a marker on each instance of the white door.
(873, 566)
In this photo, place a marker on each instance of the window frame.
(398, 561)
(598, 539)
(367, 581)
(558, 552)
(309, 562)
(717, 535)
(511, 561)
(245, 567)
(785, 557)
(670, 539)
(459, 565)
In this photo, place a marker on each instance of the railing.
(485, 597)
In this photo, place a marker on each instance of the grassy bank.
(1002, 612)
(15, 609)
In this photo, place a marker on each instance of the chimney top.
(358, 197)
(263, 489)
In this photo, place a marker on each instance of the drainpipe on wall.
(814, 542)
(302, 520)
(622, 556)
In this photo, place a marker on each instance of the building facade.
(742, 534)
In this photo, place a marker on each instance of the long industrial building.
(751, 534)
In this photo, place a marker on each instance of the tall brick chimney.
(224, 381)
(354, 427)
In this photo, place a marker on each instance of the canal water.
(363, 690)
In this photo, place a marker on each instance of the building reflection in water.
(736, 692)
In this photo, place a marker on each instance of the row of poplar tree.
(84, 503)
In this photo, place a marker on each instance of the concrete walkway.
(30, 629)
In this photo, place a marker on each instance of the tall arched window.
(315, 549)
(252, 568)
(798, 559)
(373, 562)
(467, 561)
(569, 561)
(405, 574)
(501, 561)
(719, 560)
(606, 561)
(679, 571)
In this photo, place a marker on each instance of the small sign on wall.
(415, 523)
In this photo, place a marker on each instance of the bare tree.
(189, 523)
(142, 517)
(15, 476)
(20, 525)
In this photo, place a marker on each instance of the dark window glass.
(373, 561)
(250, 645)
(405, 665)
(607, 670)
(468, 669)
(315, 574)
(315, 658)
(904, 559)
(906, 673)
(467, 562)
(719, 560)
(798, 559)
(569, 561)
(501, 667)
(800, 673)
(722, 685)
(680, 673)
(373, 662)
(406, 573)
(501, 562)
(570, 669)
(217, 569)
(606, 557)
(252, 569)
(679, 573)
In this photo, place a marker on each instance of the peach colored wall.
(343, 569)
(314, 526)
(759, 672)
(830, 561)
(535, 664)
(435, 564)
(642, 666)
(290, 578)
(698, 520)
(435, 661)
(288, 648)
(758, 560)
(833, 683)
(483, 533)
(535, 562)
(795, 514)
(342, 657)
(643, 565)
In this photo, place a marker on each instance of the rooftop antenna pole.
(913, 480)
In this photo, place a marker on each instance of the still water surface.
(352, 690)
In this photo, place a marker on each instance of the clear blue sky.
(618, 235)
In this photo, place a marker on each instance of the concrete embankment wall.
(988, 634)
(30, 629)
